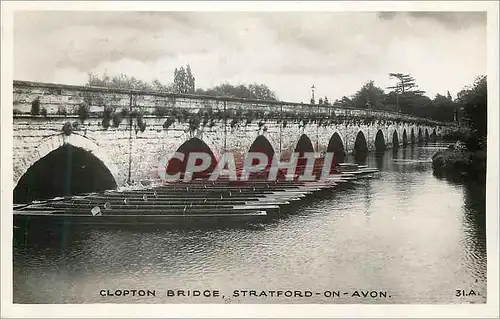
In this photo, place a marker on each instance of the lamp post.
(397, 97)
(312, 94)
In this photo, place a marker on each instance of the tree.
(184, 81)
(461, 94)
(369, 93)
(158, 86)
(343, 102)
(179, 80)
(474, 102)
(448, 96)
(405, 83)
(404, 92)
(190, 80)
(252, 91)
(261, 92)
(443, 108)
(416, 103)
(123, 81)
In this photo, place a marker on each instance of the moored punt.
(200, 201)
(23, 219)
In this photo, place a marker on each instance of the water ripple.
(404, 231)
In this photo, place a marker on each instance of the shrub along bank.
(467, 157)
(459, 162)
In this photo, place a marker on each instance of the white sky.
(337, 52)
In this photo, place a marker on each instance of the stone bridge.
(103, 138)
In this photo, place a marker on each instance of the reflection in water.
(379, 159)
(360, 159)
(403, 231)
(475, 227)
(395, 152)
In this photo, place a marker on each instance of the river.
(404, 235)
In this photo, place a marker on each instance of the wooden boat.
(199, 202)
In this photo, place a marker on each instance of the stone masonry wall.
(222, 123)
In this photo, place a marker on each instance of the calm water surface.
(404, 232)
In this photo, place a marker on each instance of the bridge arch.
(336, 146)
(360, 146)
(63, 165)
(304, 145)
(405, 138)
(412, 136)
(194, 144)
(427, 137)
(395, 140)
(262, 145)
(420, 138)
(433, 136)
(380, 141)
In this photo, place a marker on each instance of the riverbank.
(459, 162)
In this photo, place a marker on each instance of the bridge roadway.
(179, 203)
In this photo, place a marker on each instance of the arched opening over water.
(66, 171)
(434, 136)
(405, 138)
(427, 137)
(304, 145)
(412, 136)
(336, 147)
(175, 165)
(262, 145)
(379, 142)
(420, 138)
(395, 141)
(360, 147)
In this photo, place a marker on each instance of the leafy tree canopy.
(404, 97)
(252, 91)
(124, 81)
(473, 104)
(184, 83)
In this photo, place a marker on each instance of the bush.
(234, 123)
(105, 123)
(106, 117)
(61, 110)
(83, 111)
(168, 122)
(161, 111)
(125, 112)
(67, 128)
(35, 106)
(141, 124)
(117, 119)
(134, 113)
(457, 162)
(450, 161)
(194, 123)
(43, 112)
